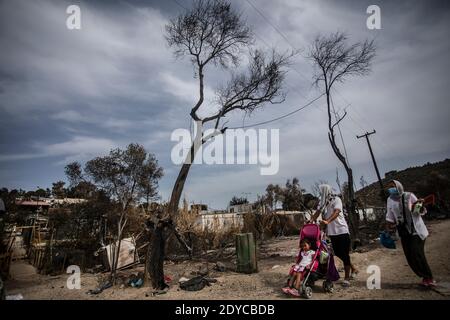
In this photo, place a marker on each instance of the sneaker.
(346, 283)
(354, 274)
(286, 290)
(429, 283)
(294, 292)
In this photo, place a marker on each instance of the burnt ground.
(275, 258)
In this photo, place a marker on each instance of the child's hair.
(305, 241)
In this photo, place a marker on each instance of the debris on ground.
(97, 269)
(167, 279)
(136, 280)
(276, 266)
(156, 293)
(100, 289)
(197, 283)
(220, 267)
(183, 279)
(203, 271)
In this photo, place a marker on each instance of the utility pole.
(366, 135)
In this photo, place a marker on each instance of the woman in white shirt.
(337, 228)
(404, 212)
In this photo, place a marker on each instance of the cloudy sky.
(71, 95)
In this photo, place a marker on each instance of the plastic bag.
(323, 258)
(387, 241)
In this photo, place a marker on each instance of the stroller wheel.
(328, 286)
(307, 293)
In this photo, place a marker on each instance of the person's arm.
(315, 216)
(390, 221)
(299, 258)
(335, 214)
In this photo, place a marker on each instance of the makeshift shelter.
(127, 256)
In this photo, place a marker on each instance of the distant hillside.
(431, 178)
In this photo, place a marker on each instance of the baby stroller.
(322, 266)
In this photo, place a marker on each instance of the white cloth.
(394, 214)
(338, 225)
(325, 194)
(307, 259)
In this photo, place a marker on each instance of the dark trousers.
(341, 247)
(414, 249)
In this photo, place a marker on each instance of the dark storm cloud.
(72, 95)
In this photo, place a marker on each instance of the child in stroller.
(304, 260)
(314, 262)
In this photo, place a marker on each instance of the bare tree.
(212, 34)
(335, 61)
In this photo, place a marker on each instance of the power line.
(280, 33)
(385, 147)
(270, 23)
(283, 116)
(179, 4)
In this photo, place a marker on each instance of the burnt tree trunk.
(178, 188)
(351, 202)
(156, 253)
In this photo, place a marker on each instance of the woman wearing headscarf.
(404, 212)
(331, 208)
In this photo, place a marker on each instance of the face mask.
(393, 191)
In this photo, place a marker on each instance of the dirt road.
(397, 279)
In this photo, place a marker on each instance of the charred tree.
(213, 34)
(335, 61)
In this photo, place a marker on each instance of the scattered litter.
(167, 279)
(100, 289)
(136, 281)
(197, 283)
(15, 297)
(220, 267)
(387, 240)
(211, 280)
(203, 271)
(275, 266)
(183, 279)
(157, 292)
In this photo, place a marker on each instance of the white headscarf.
(404, 203)
(326, 194)
(399, 187)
